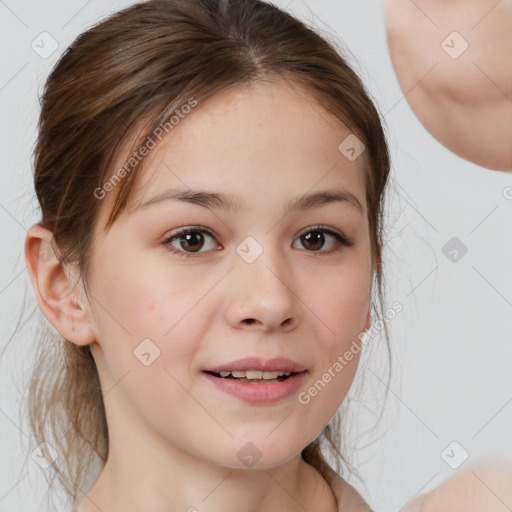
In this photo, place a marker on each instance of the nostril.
(250, 320)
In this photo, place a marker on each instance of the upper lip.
(258, 363)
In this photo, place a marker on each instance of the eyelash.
(341, 239)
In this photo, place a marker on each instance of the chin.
(257, 455)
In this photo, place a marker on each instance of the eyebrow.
(233, 204)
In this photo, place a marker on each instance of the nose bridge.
(265, 270)
(262, 291)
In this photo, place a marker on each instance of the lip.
(259, 392)
(258, 363)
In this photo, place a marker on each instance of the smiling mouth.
(253, 377)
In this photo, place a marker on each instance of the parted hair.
(136, 68)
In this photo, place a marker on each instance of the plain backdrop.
(451, 392)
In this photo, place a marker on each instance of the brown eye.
(190, 240)
(193, 241)
(315, 238)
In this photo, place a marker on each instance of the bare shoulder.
(481, 487)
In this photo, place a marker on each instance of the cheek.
(341, 307)
(134, 307)
(147, 300)
(149, 335)
(341, 304)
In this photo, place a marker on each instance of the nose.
(261, 296)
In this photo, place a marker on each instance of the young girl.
(211, 176)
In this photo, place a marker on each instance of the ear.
(57, 290)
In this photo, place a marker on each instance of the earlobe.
(57, 291)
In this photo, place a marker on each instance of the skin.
(483, 486)
(169, 451)
(464, 102)
(173, 436)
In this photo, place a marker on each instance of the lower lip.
(259, 392)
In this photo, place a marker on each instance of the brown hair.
(141, 64)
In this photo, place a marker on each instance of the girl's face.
(254, 278)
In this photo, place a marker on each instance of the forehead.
(266, 137)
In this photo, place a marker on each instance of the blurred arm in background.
(482, 487)
(453, 60)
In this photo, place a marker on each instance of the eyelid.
(343, 240)
(183, 231)
(326, 229)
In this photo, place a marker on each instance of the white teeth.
(254, 374)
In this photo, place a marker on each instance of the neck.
(143, 478)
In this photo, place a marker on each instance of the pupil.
(310, 237)
(195, 240)
(193, 237)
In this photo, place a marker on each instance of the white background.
(452, 343)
